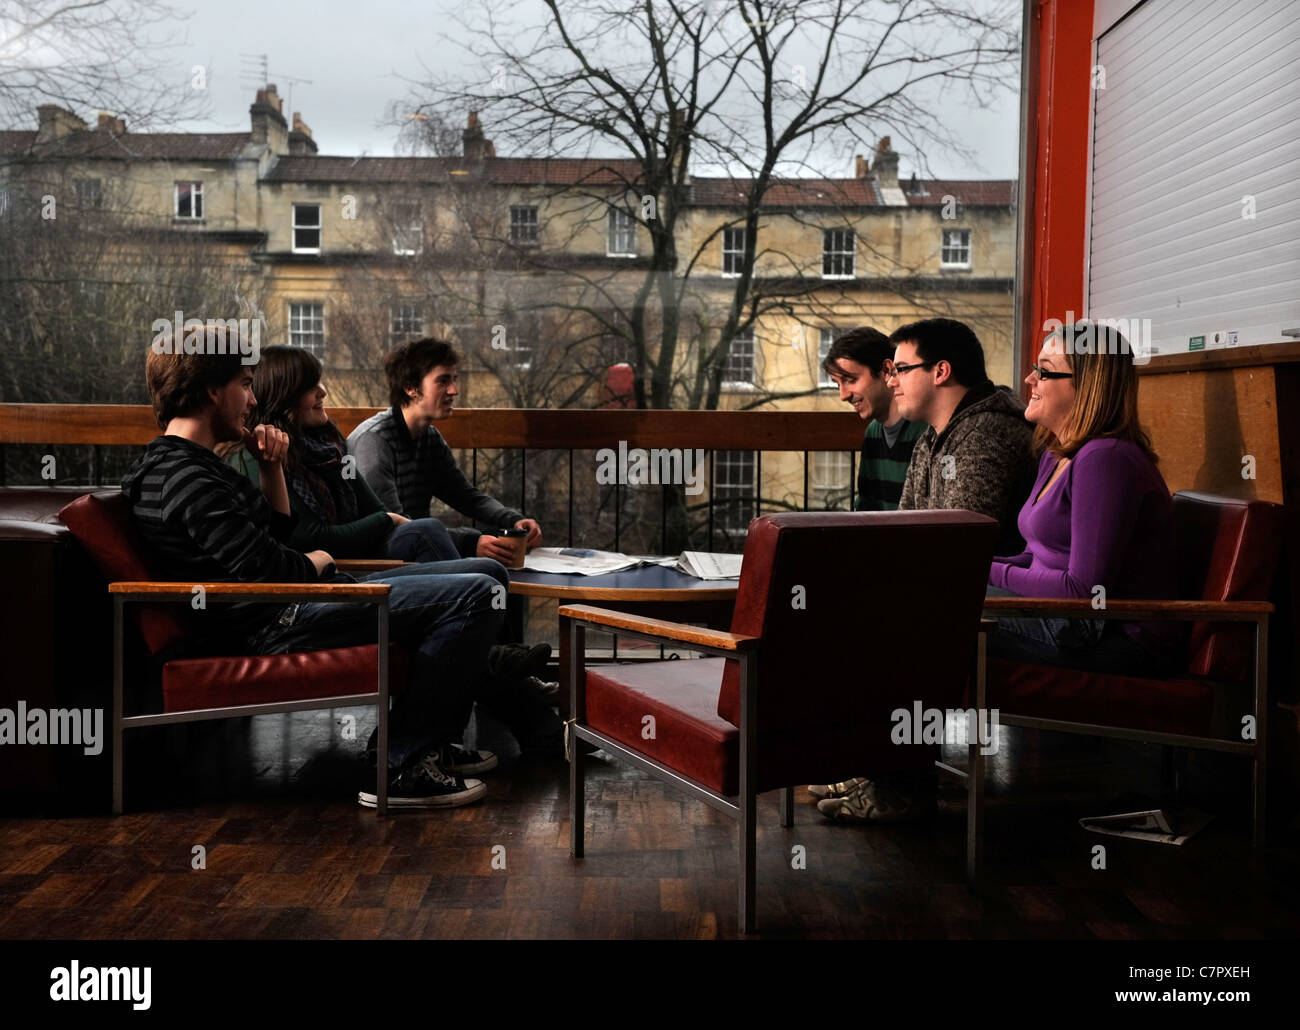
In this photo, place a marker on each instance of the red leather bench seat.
(1041, 691)
(194, 683)
(690, 736)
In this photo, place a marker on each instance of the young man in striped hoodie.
(204, 521)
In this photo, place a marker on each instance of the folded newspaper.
(1153, 825)
(584, 562)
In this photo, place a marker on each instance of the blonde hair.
(1105, 392)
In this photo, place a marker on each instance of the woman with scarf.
(337, 511)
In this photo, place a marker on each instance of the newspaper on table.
(580, 561)
(710, 564)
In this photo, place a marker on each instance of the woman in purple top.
(1099, 520)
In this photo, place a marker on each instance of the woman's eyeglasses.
(1047, 373)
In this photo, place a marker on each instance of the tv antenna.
(256, 66)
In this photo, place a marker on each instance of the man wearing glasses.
(977, 453)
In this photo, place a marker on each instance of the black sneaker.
(511, 660)
(456, 759)
(425, 785)
(546, 690)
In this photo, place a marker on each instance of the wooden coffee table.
(651, 590)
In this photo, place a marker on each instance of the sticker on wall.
(1232, 337)
(1196, 343)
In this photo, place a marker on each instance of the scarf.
(316, 478)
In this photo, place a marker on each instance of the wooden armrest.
(1174, 611)
(369, 564)
(280, 591)
(659, 628)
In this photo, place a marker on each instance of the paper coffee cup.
(518, 538)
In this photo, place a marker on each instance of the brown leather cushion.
(693, 739)
(690, 736)
(1228, 550)
(891, 599)
(195, 683)
(36, 503)
(1045, 692)
(102, 523)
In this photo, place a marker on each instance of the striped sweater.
(884, 468)
(203, 521)
(407, 473)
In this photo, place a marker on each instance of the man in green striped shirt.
(858, 363)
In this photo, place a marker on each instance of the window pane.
(733, 491)
(740, 360)
(307, 327)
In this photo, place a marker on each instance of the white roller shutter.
(1199, 121)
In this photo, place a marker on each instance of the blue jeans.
(448, 614)
(421, 540)
(1094, 645)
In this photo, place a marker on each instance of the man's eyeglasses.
(1047, 373)
(893, 371)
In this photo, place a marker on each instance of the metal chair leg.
(577, 711)
(975, 778)
(118, 734)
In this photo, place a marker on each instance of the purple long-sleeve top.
(1108, 521)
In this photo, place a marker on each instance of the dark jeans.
(1094, 645)
(421, 540)
(449, 614)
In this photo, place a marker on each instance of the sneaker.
(835, 790)
(517, 659)
(425, 785)
(456, 759)
(872, 803)
(542, 688)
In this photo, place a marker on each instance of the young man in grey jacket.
(976, 454)
(408, 463)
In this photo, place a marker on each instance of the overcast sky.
(357, 57)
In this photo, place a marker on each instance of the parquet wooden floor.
(289, 854)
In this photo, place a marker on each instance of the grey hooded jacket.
(982, 461)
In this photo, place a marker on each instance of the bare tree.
(755, 88)
(85, 55)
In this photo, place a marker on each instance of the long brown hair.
(280, 379)
(1105, 392)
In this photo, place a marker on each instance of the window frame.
(408, 217)
(746, 490)
(738, 254)
(196, 193)
(827, 336)
(518, 225)
(399, 313)
(842, 254)
(818, 486)
(612, 232)
(944, 247)
(731, 382)
(296, 334)
(318, 228)
(83, 186)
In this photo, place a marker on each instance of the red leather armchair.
(1227, 557)
(804, 685)
(222, 687)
